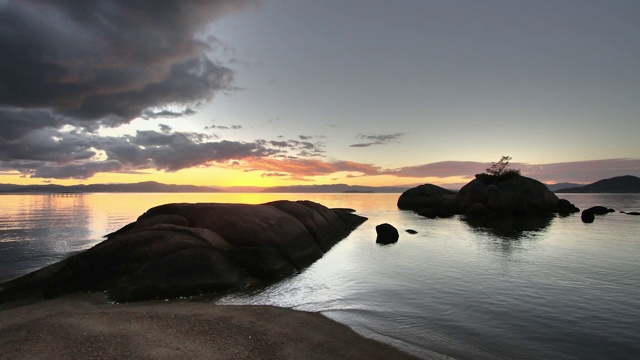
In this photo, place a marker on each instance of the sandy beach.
(86, 326)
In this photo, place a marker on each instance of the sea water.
(553, 288)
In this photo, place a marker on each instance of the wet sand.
(88, 327)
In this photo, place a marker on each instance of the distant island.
(156, 187)
(619, 184)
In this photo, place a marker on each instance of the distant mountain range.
(561, 186)
(148, 186)
(619, 184)
(156, 187)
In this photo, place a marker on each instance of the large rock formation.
(183, 249)
(486, 195)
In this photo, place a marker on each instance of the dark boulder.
(587, 217)
(599, 210)
(426, 196)
(184, 249)
(261, 262)
(187, 272)
(478, 210)
(564, 207)
(511, 195)
(387, 234)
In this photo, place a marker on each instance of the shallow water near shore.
(554, 288)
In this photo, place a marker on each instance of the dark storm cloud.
(150, 114)
(376, 139)
(76, 171)
(47, 144)
(107, 61)
(53, 153)
(16, 123)
(165, 128)
(97, 63)
(176, 151)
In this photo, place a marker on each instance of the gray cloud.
(69, 67)
(293, 148)
(151, 114)
(376, 139)
(78, 154)
(47, 144)
(106, 62)
(76, 171)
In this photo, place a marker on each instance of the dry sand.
(87, 327)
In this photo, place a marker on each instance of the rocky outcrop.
(387, 234)
(184, 249)
(426, 196)
(486, 196)
(589, 215)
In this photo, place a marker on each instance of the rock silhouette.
(185, 249)
(487, 195)
(387, 234)
(589, 215)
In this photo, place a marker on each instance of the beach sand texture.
(86, 326)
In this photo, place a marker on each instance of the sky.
(234, 93)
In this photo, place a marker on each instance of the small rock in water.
(411, 231)
(587, 216)
(387, 234)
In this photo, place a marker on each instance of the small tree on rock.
(500, 167)
(499, 171)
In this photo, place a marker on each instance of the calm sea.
(553, 288)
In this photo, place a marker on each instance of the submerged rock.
(184, 249)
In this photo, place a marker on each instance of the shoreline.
(88, 326)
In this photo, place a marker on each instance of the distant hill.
(619, 184)
(559, 186)
(334, 188)
(148, 186)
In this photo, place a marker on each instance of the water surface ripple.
(551, 288)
